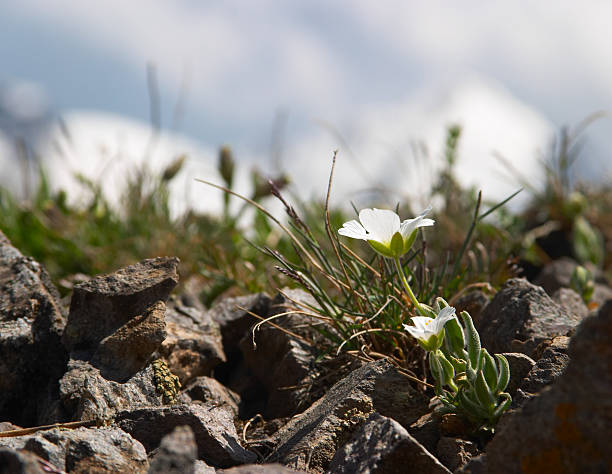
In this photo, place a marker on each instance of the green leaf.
(454, 340)
(436, 370)
(473, 339)
(483, 392)
(490, 371)
(501, 407)
(504, 373)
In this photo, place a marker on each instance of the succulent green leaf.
(471, 407)
(483, 392)
(454, 340)
(490, 370)
(504, 373)
(458, 364)
(473, 339)
(436, 371)
(447, 368)
(502, 406)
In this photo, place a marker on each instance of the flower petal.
(413, 331)
(422, 322)
(410, 225)
(445, 315)
(380, 223)
(354, 230)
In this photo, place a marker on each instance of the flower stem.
(402, 276)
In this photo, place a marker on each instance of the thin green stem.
(402, 276)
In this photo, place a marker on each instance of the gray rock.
(18, 462)
(126, 351)
(103, 305)
(571, 301)
(193, 345)
(426, 430)
(556, 274)
(200, 467)
(86, 395)
(521, 316)
(32, 357)
(455, 453)
(382, 445)
(566, 427)
(309, 441)
(84, 450)
(212, 426)
(601, 294)
(176, 454)
(259, 469)
(234, 322)
(289, 380)
(476, 465)
(520, 365)
(473, 302)
(548, 368)
(210, 391)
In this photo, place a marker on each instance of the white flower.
(430, 332)
(384, 232)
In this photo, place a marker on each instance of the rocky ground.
(135, 379)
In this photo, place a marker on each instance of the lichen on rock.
(166, 383)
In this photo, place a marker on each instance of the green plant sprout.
(582, 283)
(468, 381)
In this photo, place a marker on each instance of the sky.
(287, 82)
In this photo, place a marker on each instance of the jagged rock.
(210, 391)
(8, 426)
(193, 345)
(521, 316)
(260, 469)
(86, 395)
(212, 426)
(118, 319)
(84, 450)
(129, 348)
(454, 453)
(565, 429)
(476, 465)
(32, 357)
(310, 440)
(200, 467)
(520, 365)
(426, 430)
(571, 301)
(22, 462)
(548, 368)
(473, 302)
(234, 322)
(176, 453)
(558, 274)
(382, 445)
(293, 373)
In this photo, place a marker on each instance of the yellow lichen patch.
(569, 452)
(166, 383)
